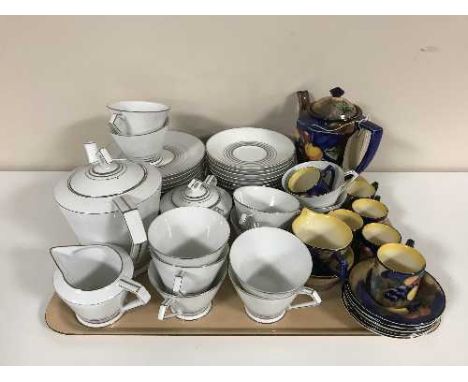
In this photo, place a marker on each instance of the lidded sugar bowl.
(198, 194)
(111, 201)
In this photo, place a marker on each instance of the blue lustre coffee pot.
(334, 129)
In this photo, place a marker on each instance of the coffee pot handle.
(315, 299)
(141, 293)
(376, 133)
(135, 227)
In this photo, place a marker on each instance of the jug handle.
(315, 299)
(141, 293)
(304, 100)
(376, 133)
(135, 226)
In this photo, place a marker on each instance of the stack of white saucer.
(248, 156)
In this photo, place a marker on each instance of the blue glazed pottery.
(334, 129)
(426, 307)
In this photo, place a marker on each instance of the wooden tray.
(227, 317)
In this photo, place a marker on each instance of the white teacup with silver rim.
(270, 261)
(189, 236)
(146, 147)
(130, 118)
(266, 206)
(184, 280)
(272, 309)
(187, 307)
(94, 281)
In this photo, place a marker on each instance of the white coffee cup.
(145, 147)
(137, 117)
(270, 260)
(265, 205)
(187, 307)
(270, 310)
(191, 279)
(189, 236)
(94, 280)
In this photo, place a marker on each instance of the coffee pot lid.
(105, 177)
(334, 108)
(197, 193)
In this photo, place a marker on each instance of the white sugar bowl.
(198, 194)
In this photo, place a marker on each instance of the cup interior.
(379, 234)
(303, 179)
(188, 232)
(370, 208)
(323, 232)
(271, 260)
(91, 268)
(401, 258)
(266, 199)
(138, 106)
(352, 219)
(361, 188)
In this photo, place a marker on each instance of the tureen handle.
(210, 180)
(135, 227)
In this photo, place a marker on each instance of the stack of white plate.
(181, 161)
(248, 156)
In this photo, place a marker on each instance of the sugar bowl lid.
(334, 108)
(198, 194)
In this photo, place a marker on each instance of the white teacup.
(189, 236)
(265, 205)
(187, 307)
(94, 280)
(137, 117)
(270, 260)
(340, 184)
(272, 309)
(188, 280)
(145, 147)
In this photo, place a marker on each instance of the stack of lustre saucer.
(421, 316)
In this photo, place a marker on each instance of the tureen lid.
(91, 188)
(335, 107)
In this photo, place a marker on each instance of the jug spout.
(65, 260)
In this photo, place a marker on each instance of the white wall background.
(58, 73)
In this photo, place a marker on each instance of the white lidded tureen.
(198, 194)
(111, 201)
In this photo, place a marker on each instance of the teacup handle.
(247, 221)
(351, 175)
(142, 295)
(343, 265)
(315, 299)
(135, 226)
(112, 122)
(165, 305)
(177, 285)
